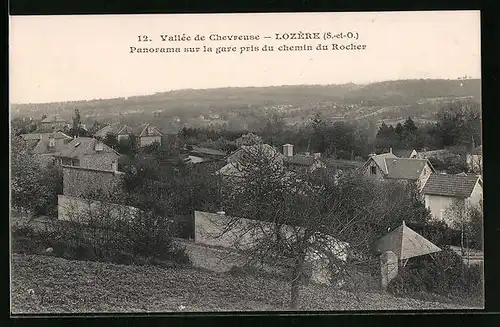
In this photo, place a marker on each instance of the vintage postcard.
(246, 162)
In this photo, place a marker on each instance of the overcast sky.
(61, 58)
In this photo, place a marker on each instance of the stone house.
(443, 190)
(88, 152)
(387, 166)
(147, 134)
(78, 181)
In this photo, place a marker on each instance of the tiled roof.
(380, 160)
(452, 185)
(300, 160)
(42, 147)
(82, 146)
(39, 136)
(207, 151)
(117, 129)
(404, 168)
(261, 149)
(341, 163)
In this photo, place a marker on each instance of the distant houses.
(444, 190)
(121, 131)
(147, 134)
(53, 123)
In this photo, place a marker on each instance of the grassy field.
(45, 284)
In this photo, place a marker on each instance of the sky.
(70, 58)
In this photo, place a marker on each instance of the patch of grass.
(63, 286)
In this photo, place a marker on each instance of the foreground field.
(43, 284)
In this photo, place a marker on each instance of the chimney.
(317, 155)
(371, 155)
(390, 150)
(52, 141)
(99, 146)
(114, 166)
(288, 150)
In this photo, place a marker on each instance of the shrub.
(445, 275)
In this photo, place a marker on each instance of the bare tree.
(298, 221)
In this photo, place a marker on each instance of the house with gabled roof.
(88, 152)
(387, 166)
(147, 134)
(120, 130)
(443, 190)
(51, 143)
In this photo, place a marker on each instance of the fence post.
(388, 268)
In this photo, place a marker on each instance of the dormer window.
(373, 170)
(52, 142)
(99, 146)
(150, 130)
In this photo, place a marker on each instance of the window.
(441, 213)
(373, 170)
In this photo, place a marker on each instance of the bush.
(445, 275)
(122, 244)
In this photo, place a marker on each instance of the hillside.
(383, 100)
(63, 286)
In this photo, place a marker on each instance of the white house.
(442, 190)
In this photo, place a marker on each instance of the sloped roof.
(452, 185)
(405, 243)
(142, 130)
(405, 168)
(42, 146)
(300, 160)
(342, 163)
(265, 149)
(82, 146)
(207, 151)
(380, 160)
(117, 129)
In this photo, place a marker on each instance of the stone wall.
(78, 181)
(81, 210)
(238, 234)
(102, 161)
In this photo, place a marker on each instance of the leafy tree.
(34, 184)
(76, 123)
(248, 139)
